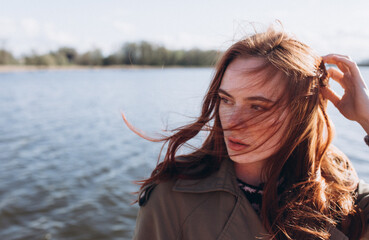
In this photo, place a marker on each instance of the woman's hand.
(354, 104)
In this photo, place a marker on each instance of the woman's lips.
(236, 145)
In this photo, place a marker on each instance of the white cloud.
(7, 27)
(187, 40)
(353, 42)
(182, 26)
(57, 36)
(26, 34)
(124, 27)
(30, 26)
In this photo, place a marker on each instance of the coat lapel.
(243, 220)
(222, 180)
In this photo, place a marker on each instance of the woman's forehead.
(237, 78)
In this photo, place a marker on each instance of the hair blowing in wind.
(318, 180)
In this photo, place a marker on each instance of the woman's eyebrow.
(253, 98)
(259, 98)
(224, 92)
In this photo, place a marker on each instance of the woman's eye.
(224, 100)
(257, 107)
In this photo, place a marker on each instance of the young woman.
(267, 169)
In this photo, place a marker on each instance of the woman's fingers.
(351, 74)
(337, 76)
(344, 63)
(345, 56)
(331, 95)
(354, 103)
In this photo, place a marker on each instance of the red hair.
(319, 181)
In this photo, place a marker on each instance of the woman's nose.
(235, 117)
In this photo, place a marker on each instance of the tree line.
(139, 53)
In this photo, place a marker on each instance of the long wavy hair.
(319, 182)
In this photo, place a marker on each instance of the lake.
(68, 162)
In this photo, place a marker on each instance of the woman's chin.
(247, 158)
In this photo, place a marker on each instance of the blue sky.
(326, 25)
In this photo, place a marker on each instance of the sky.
(329, 26)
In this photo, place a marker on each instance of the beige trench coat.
(207, 209)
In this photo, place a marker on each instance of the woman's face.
(252, 129)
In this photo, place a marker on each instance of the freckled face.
(252, 129)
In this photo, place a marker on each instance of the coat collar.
(222, 180)
(225, 180)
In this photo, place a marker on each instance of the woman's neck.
(249, 172)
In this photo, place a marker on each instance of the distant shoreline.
(33, 68)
